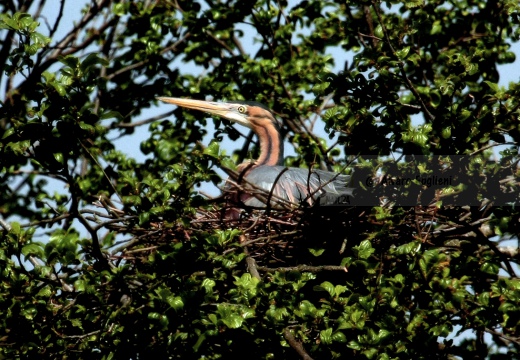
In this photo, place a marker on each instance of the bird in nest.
(266, 182)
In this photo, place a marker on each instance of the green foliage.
(103, 255)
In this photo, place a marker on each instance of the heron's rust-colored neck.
(271, 147)
(271, 144)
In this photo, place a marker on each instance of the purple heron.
(268, 173)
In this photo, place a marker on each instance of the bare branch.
(143, 122)
(516, 340)
(58, 19)
(251, 262)
(140, 64)
(73, 34)
(295, 344)
(305, 268)
(39, 9)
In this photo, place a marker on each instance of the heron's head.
(247, 113)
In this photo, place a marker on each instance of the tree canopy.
(106, 256)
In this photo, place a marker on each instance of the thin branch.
(5, 50)
(142, 122)
(295, 344)
(370, 23)
(140, 64)
(58, 19)
(65, 43)
(101, 169)
(99, 32)
(5, 225)
(429, 115)
(485, 241)
(47, 221)
(251, 262)
(490, 146)
(369, 36)
(511, 251)
(95, 241)
(317, 142)
(39, 9)
(319, 111)
(239, 46)
(304, 268)
(76, 336)
(220, 42)
(516, 340)
(74, 210)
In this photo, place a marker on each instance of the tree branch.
(302, 268)
(295, 344)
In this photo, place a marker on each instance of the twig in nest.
(251, 263)
(267, 238)
(313, 269)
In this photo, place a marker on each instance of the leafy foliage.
(106, 256)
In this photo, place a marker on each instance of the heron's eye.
(242, 109)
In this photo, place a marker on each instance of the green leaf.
(80, 285)
(119, 9)
(436, 28)
(316, 252)
(91, 60)
(230, 316)
(33, 249)
(493, 86)
(45, 292)
(365, 249)
(175, 302)
(338, 336)
(403, 53)
(15, 228)
(326, 336)
(111, 114)
(213, 149)
(354, 345)
(327, 286)
(490, 268)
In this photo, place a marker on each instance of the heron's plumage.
(267, 173)
(296, 185)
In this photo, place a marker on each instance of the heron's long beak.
(225, 110)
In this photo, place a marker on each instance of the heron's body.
(281, 185)
(297, 186)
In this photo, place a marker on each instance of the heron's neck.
(271, 146)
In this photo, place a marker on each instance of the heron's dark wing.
(299, 185)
